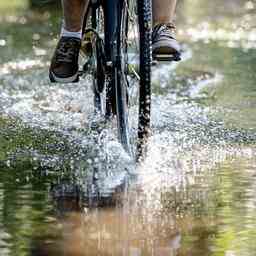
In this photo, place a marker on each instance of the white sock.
(67, 33)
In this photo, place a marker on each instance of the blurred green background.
(24, 4)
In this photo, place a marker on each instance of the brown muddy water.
(67, 187)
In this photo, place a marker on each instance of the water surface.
(68, 188)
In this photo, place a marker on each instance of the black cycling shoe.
(64, 64)
(165, 47)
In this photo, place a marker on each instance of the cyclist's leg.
(163, 11)
(73, 12)
(64, 64)
(164, 41)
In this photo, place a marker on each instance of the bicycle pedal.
(166, 57)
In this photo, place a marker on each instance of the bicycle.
(114, 30)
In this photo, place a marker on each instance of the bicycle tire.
(145, 31)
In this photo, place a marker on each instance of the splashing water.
(193, 194)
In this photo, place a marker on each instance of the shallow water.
(68, 188)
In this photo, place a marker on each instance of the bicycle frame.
(114, 51)
(112, 17)
(112, 24)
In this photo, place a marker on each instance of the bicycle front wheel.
(145, 32)
(135, 64)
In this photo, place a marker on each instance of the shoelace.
(164, 30)
(67, 51)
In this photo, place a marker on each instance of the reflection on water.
(67, 187)
(213, 215)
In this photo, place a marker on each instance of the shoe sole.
(166, 45)
(166, 57)
(161, 52)
(71, 79)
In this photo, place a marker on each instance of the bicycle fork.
(116, 87)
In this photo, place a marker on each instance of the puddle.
(68, 188)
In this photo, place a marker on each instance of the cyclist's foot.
(164, 44)
(64, 64)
